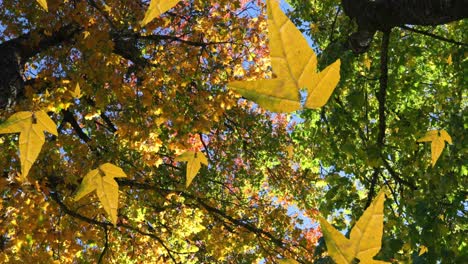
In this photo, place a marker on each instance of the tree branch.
(106, 245)
(425, 33)
(382, 94)
(69, 118)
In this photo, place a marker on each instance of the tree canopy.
(210, 131)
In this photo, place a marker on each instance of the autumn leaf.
(102, 181)
(43, 3)
(156, 8)
(295, 65)
(194, 161)
(437, 139)
(365, 239)
(31, 126)
(77, 92)
(422, 250)
(449, 60)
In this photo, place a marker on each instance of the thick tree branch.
(383, 15)
(16, 52)
(69, 118)
(381, 97)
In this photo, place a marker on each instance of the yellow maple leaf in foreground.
(194, 161)
(295, 65)
(437, 139)
(43, 3)
(102, 181)
(365, 239)
(31, 126)
(156, 8)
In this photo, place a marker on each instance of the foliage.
(139, 97)
(426, 91)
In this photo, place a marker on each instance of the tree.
(144, 107)
(409, 80)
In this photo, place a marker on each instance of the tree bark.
(382, 15)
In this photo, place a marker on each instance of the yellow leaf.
(43, 3)
(77, 92)
(365, 239)
(437, 139)
(449, 60)
(423, 249)
(31, 126)
(324, 84)
(102, 181)
(194, 161)
(156, 8)
(269, 94)
(295, 65)
(367, 62)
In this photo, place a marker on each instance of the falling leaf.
(156, 8)
(365, 239)
(295, 65)
(423, 249)
(107, 189)
(31, 126)
(43, 3)
(437, 139)
(194, 161)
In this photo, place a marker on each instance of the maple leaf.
(31, 126)
(194, 161)
(77, 92)
(43, 3)
(102, 181)
(156, 8)
(365, 239)
(437, 138)
(295, 65)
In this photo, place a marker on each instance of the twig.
(106, 245)
(204, 146)
(434, 36)
(396, 176)
(332, 29)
